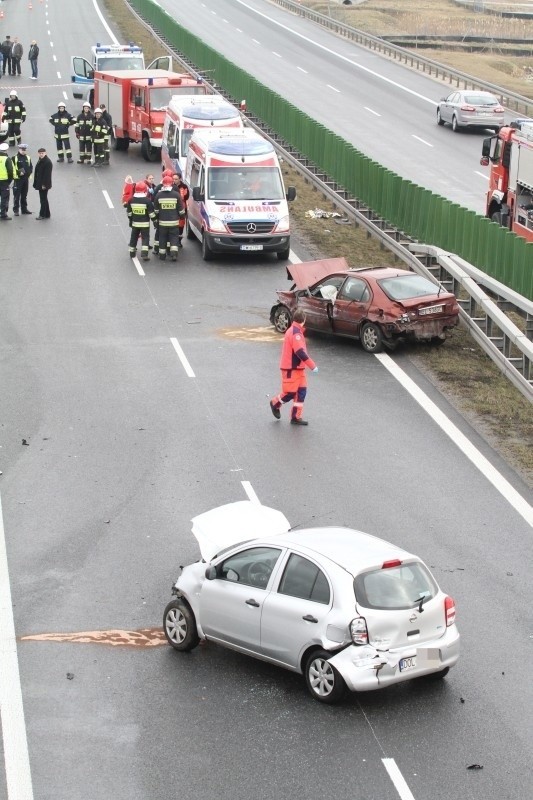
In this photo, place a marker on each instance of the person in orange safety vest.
(294, 360)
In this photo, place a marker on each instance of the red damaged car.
(381, 306)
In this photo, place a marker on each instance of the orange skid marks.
(261, 334)
(145, 637)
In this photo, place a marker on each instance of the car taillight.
(359, 631)
(499, 110)
(449, 611)
(467, 108)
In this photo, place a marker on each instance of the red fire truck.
(137, 101)
(510, 193)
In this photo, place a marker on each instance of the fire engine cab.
(109, 57)
(510, 193)
(137, 101)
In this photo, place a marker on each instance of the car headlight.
(283, 224)
(359, 631)
(216, 224)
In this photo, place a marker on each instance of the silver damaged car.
(341, 607)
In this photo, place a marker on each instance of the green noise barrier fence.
(417, 211)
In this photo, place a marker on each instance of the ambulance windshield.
(245, 183)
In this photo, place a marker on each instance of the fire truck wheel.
(148, 152)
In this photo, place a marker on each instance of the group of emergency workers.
(165, 205)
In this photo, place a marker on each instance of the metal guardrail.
(513, 102)
(509, 348)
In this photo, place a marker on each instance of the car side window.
(355, 289)
(251, 567)
(302, 578)
(328, 288)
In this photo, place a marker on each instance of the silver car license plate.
(251, 246)
(407, 663)
(431, 310)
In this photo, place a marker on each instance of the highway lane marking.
(107, 199)
(255, 40)
(138, 267)
(54, 57)
(51, 44)
(182, 357)
(303, 70)
(421, 140)
(276, 54)
(338, 55)
(65, 95)
(371, 110)
(333, 87)
(250, 493)
(494, 477)
(59, 75)
(397, 778)
(104, 23)
(481, 174)
(15, 741)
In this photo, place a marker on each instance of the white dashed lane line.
(397, 778)
(107, 199)
(182, 357)
(421, 140)
(138, 267)
(481, 175)
(333, 88)
(371, 111)
(303, 70)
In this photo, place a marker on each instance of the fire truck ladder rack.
(484, 302)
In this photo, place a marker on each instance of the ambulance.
(238, 202)
(187, 113)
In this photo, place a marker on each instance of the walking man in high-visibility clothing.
(294, 360)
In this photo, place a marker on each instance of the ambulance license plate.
(251, 246)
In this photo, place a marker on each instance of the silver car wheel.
(176, 625)
(321, 677)
(323, 681)
(179, 625)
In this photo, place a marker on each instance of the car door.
(351, 306)
(231, 603)
(317, 304)
(295, 612)
(163, 62)
(82, 70)
(447, 108)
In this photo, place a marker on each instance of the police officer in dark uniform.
(23, 171)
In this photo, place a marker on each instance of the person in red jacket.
(294, 360)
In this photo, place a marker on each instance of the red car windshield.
(406, 287)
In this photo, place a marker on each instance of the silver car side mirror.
(210, 573)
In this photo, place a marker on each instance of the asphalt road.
(124, 447)
(384, 109)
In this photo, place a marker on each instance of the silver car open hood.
(234, 523)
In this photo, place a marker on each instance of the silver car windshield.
(404, 586)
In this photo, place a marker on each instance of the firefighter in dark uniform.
(7, 173)
(62, 120)
(23, 170)
(106, 116)
(140, 211)
(182, 188)
(99, 135)
(84, 123)
(170, 211)
(14, 114)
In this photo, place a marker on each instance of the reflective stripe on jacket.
(294, 353)
(6, 168)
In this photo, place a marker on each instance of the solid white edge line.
(502, 485)
(15, 741)
(138, 267)
(182, 357)
(397, 778)
(107, 199)
(104, 23)
(247, 486)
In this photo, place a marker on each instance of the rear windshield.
(404, 287)
(405, 586)
(480, 100)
